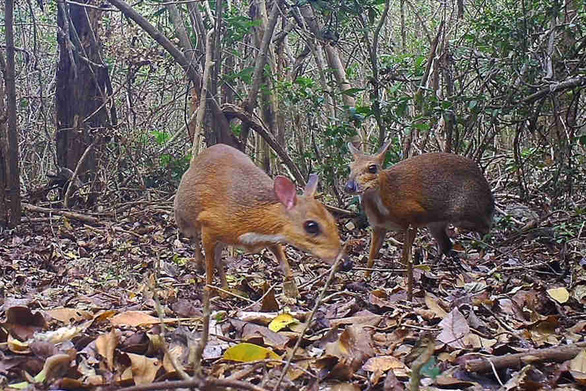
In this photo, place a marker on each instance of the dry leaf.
(17, 346)
(578, 363)
(454, 330)
(432, 303)
(105, 345)
(349, 352)
(55, 367)
(477, 342)
(344, 387)
(381, 364)
(23, 323)
(69, 315)
(269, 302)
(144, 369)
(62, 334)
(561, 295)
(177, 352)
(133, 319)
(260, 335)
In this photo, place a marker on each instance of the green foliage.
(237, 27)
(431, 368)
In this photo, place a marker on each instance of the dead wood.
(557, 354)
(64, 213)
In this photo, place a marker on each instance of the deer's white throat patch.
(252, 238)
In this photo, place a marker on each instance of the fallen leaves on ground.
(80, 312)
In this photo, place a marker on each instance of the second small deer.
(431, 190)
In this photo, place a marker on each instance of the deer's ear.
(354, 151)
(382, 151)
(285, 191)
(311, 186)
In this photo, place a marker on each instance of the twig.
(195, 383)
(340, 211)
(261, 298)
(312, 280)
(71, 186)
(178, 368)
(232, 294)
(378, 269)
(64, 213)
(273, 361)
(209, 63)
(333, 270)
(517, 360)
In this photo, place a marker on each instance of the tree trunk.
(4, 201)
(82, 81)
(11, 170)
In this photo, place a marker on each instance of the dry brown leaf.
(432, 303)
(345, 387)
(454, 330)
(477, 342)
(144, 369)
(392, 383)
(177, 352)
(133, 319)
(23, 323)
(269, 302)
(578, 363)
(381, 364)
(260, 334)
(370, 320)
(349, 352)
(106, 344)
(55, 367)
(69, 315)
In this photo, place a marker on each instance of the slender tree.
(11, 173)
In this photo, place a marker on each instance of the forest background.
(291, 84)
(103, 104)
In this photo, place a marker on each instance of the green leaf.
(19, 386)
(352, 91)
(424, 127)
(282, 321)
(246, 352)
(430, 369)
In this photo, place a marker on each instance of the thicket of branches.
(292, 82)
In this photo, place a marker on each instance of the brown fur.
(223, 196)
(430, 190)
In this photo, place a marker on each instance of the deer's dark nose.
(350, 187)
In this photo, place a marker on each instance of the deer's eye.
(373, 169)
(311, 227)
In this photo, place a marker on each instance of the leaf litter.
(79, 311)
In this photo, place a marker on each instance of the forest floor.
(82, 306)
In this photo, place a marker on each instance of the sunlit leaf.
(246, 352)
(561, 295)
(282, 321)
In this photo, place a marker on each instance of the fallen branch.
(517, 360)
(64, 213)
(202, 384)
